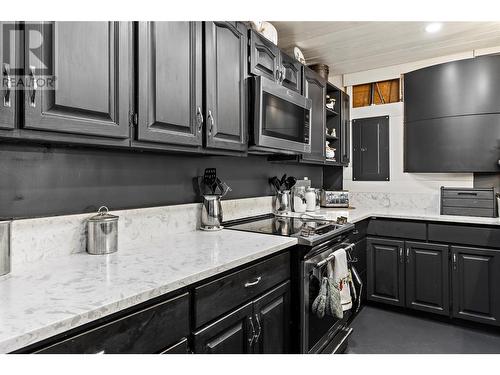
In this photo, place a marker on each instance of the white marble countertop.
(358, 214)
(45, 298)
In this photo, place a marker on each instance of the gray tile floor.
(381, 331)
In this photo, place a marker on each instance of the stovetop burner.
(309, 231)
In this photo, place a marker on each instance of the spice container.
(310, 199)
(299, 199)
(102, 233)
(4, 247)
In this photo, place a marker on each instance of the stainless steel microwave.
(281, 118)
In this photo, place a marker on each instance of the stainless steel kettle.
(211, 213)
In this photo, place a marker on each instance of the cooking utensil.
(290, 182)
(4, 247)
(102, 233)
(275, 183)
(223, 187)
(210, 178)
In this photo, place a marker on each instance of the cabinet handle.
(278, 74)
(454, 262)
(251, 338)
(211, 120)
(258, 327)
(199, 119)
(401, 255)
(355, 231)
(6, 73)
(32, 95)
(407, 255)
(253, 283)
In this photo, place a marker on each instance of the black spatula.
(210, 179)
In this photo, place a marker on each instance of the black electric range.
(308, 230)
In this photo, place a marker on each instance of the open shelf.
(331, 112)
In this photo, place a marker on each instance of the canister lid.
(103, 215)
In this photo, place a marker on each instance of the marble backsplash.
(41, 238)
(416, 202)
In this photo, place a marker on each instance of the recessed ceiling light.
(433, 27)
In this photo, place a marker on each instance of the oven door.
(281, 118)
(318, 334)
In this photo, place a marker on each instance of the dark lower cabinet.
(260, 326)
(385, 271)
(145, 332)
(272, 316)
(476, 284)
(226, 86)
(232, 334)
(170, 84)
(427, 277)
(92, 64)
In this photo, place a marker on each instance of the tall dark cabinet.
(8, 97)
(315, 89)
(170, 83)
(93, 65)
(226, 86)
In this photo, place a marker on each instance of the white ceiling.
(349, 47)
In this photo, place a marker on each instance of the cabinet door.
(345, 126)
(7, 66)
(385, 271)
(292, 73)
(272, 320)
(427, 277)
(91, 64)
(181, 347)
(264, 57)
(476, 284)
(170, 82)
(226, 93)
(232, 334)
(315, 89)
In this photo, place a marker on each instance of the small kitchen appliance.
(102, 233)
(332, 199)
(4, 247)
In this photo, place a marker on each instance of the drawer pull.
(253, 283)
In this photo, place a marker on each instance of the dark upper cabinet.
(385, 271)
(427, 277)
(92, 65)
(7, 94)
(291, 76)
(452, 117)
(370, 145)
(267, 60)
(457, 88)
(476, 284)
(232, 334)
(170, 63)
(315, 89)
(453, 144)
(345, 126)
(226, 86)
(272, 321)
(264, 57)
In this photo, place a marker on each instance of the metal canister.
(102, 233)
(4, 247)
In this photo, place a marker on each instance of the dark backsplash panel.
(487, 180)
(43, 181)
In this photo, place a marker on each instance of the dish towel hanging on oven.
(333, 302)
(341, 277)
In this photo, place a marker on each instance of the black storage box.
(468, 202)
